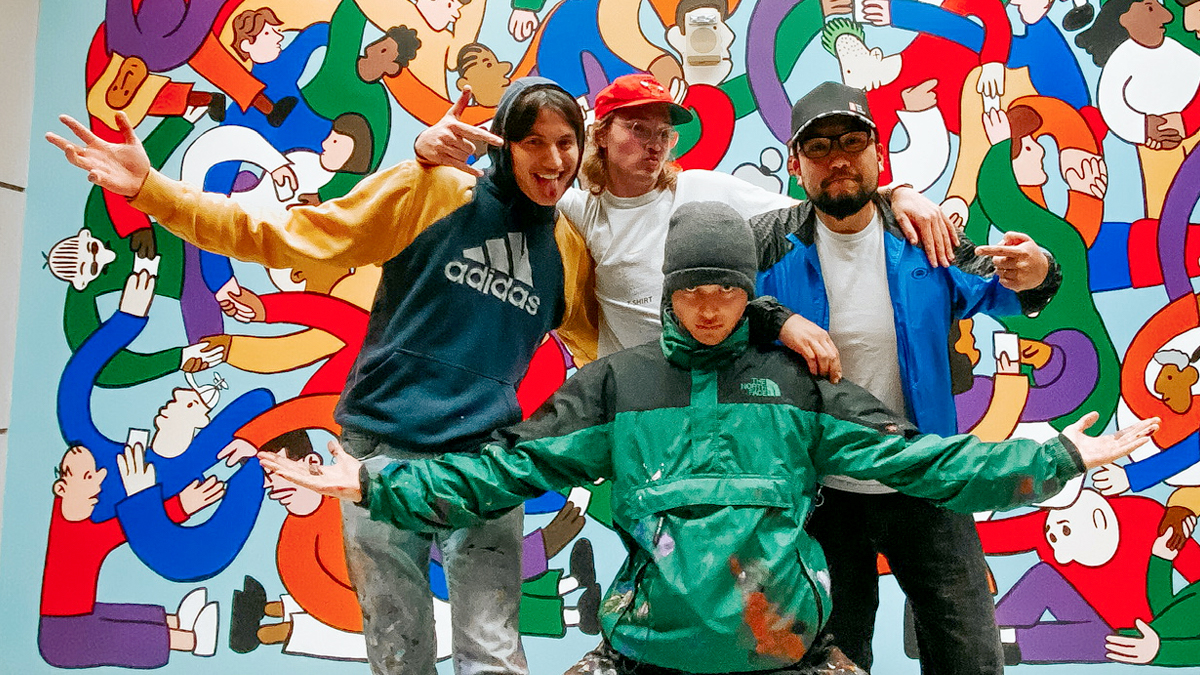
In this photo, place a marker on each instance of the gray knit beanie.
(709, 243)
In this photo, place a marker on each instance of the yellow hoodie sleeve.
(581, 319)
(371, 224)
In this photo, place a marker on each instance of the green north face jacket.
(714, 455)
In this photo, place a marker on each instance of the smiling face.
(78, 483)
(544, 162)
(709, 312)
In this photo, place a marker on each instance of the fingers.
(460, 106)
(126, 129)
(81, 131)
(1085, 422)
(910, 233)
(335, 450)
(476, 134)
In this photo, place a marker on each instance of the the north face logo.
(761, 386)
(500, 268)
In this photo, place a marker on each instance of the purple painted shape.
(593, 74)
(1075, 635)
(163, 33)
(245, 181)
(771, 99)
(1172, 227)
(1059, 387)
(201, 313)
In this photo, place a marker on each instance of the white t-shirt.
(1138, 81)
(627, 235)
(861, 321)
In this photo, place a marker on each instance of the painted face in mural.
(439, 13)
(638, 144)
(1085, 532)
(703, 42)
(298, 501)
(1032, 11)
(862, 67)
(266, 46)
(840, 183)
(78, 483)
(79, 259)
(1191, 18)
(336, 150)
(544, 162)
(1174, 385)
(488, 77)
(709, 312)
(1027, 167)
(379, 59)
(177, 422)
(1146, 21)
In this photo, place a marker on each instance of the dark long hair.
(1107, 33)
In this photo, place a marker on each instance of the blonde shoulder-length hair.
(593, 171)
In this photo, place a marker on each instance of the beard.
(848, 203)
(842, 206)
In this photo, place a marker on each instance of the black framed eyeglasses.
(851, 142)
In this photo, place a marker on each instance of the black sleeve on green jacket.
(1033, 300)
(766, 316)
(851, 403)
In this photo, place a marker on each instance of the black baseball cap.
(827, 100)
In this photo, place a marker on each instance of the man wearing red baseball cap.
(632, 186)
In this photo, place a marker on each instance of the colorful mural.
(1073, 122)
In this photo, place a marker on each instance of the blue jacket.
(926, 300)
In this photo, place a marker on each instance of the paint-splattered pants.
(389, 568)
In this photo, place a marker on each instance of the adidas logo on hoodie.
(500, 268)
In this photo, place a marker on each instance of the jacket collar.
(684, 351)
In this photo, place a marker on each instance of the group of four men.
(713, 437)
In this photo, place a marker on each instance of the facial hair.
(842, 206)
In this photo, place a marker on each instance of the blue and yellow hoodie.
(474, 275)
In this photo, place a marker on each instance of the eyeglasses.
(851, 142)
(645, 134)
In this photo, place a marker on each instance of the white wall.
(18, 33)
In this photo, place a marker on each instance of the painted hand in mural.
(120, 168)
(1177, 525)
(836, 7)
(1020, 263)
(1084, 171)
(1100, 450)
(1127, 649)
(138, 294)
(559, 532)
(995, 124)
(196, 496)
(1111, 480)
(136, 473)
(991, 80)
(451, 142)
(206, 353)
(920, 96)
(339, 479)
(813, 343)
(522, 23)
(956, 211)
(236, 451)
(239, 303)
(877, 12)
(142, 243)
(1161, 134)
(923, 222)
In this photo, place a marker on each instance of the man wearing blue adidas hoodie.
(425, 382)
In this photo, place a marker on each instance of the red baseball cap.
(638, 89)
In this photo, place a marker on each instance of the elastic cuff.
(1073, 453)
(364, 486)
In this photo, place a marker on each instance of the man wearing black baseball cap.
(840, 261)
